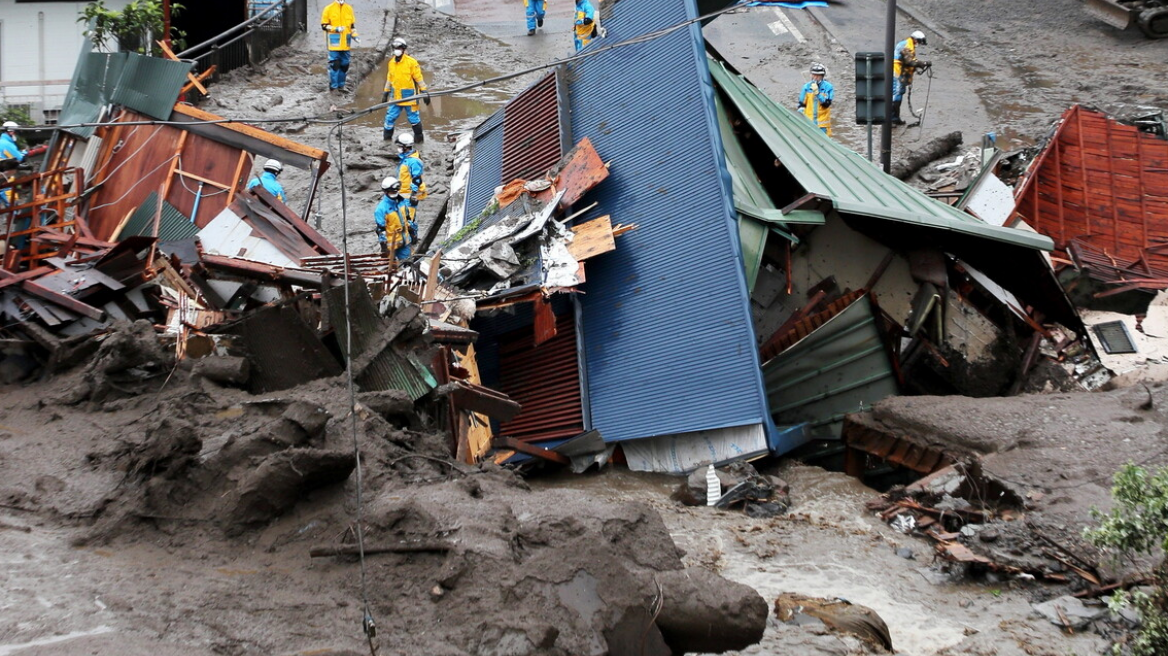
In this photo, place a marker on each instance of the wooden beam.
(171, 56)
(476, 398)
(253, 132)
(530, 449)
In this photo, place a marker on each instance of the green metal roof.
(852, 184)
(173, 224)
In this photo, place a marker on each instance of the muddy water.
(446, 114)
(830, 548)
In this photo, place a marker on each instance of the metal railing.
(272, 23)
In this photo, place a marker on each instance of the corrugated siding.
(852, 184)
(669, 341)
(93, 82)
(151, 85)
(486, 171)
(531, 131)
(543, 379)
(1103, 183)
(173, 225)
(842, 367)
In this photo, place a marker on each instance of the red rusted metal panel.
(545, 381)
(531, 132)
(1103, 186)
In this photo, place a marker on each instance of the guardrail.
(272, 23)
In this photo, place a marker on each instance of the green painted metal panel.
(172, 226)
(94, 78)
(842, 367)
(151, 85)
(852, 184)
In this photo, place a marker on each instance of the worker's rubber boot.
(418, 137)
(384, 249)
(896, 120)
(387, 135)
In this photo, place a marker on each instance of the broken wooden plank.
(530, 449)
(592, 238)
(397, 323)
(477, 398)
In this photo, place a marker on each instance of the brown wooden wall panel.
(143, 162)
(1100, 182)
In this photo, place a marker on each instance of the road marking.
(785, 26)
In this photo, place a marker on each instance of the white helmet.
(399, 42)
(405, 139)
(11, 125)
(919, 37)
(391, 185)
(274, 166)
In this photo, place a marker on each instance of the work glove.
(426, 100)
(413, 202)
(413, 232)
(385, 97)
(586, 21)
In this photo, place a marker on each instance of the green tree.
(1138, 526)
(135, 28)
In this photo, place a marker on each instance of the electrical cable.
(367, 623)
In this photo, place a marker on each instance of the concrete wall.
(39, 45)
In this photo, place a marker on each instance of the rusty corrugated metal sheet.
(283, 349)
(390, 369)
(532, 142)
(545, 381)
(1102, 184)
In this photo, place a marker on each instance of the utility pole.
(886, 128)
(166, 22)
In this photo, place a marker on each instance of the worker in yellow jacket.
(340, 28)
(816, 97)
(403, 79)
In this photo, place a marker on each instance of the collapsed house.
(774, 281)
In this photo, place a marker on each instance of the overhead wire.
(320, 118)
(368, 624)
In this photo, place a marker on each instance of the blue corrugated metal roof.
(486, 165)
(669, 341)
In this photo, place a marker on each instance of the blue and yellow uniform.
(815, 101)
(268, 180)
(585, 23)
(410, 174)
(393, 216)
(536, 10)
(9, 149)
(403, 79)
(903, 66)
(340, 25)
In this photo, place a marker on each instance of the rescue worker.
(10, 153)
(816, 97)
(585, 23)
(393, 216)
(904, 65)
(272, 169)
(340, 27)
(536, 10)
(410, 171)
(6, 194)
(403, 79)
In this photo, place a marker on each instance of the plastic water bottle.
(713, 486)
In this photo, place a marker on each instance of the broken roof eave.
(830, 171)
(1014, 237)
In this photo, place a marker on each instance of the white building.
(39, 44)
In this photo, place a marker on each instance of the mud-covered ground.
(145, 522)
